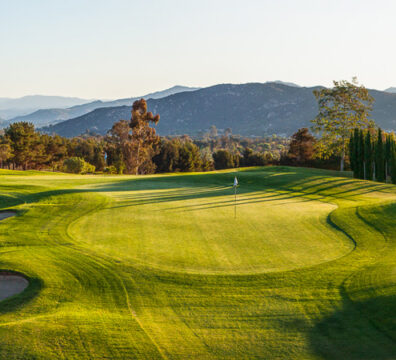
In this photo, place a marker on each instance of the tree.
(143, 139)
(223, 159)
(118, 144)
(380, 158)
(301, 148)
(5, 152)
(189, 156)
(246, 156)
(387, 155)
(393, 162)
(353, 151)
(136, 139)
(24, 141)
(207, 161)
(342, 108)
(167, 159)
(253, 158)
(182, 154)
(98, 158)
(56, 149)
(360, 155)
(368, 156)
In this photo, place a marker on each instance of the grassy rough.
(157, 266)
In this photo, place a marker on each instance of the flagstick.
(235, 204)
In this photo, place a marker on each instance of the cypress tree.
(361, 155)
(368, 156)
(393, 161)
(387, 155)
(356, 156)
(352, 159)
(380, 158)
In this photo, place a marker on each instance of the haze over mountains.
(10, 107)
(391, 90)
(51, 115)
(252, 109)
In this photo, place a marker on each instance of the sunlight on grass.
(157, 267)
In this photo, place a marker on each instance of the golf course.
(159, 267)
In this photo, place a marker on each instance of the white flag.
(235, 181)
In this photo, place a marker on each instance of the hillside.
(248, 109)
(157, 267)
(45, 117)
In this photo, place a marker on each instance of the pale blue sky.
(120, 48)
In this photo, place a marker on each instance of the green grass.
(125, 267)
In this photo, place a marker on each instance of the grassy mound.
(157, 266)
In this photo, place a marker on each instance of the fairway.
(147, 267)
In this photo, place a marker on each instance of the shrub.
(77, 165)
(110, 170)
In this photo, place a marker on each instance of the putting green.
(271, 232)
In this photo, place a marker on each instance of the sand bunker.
(6, 214)
(11, 284)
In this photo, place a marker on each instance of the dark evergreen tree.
(167, 160)
(356, 153)
(223, 159)
(24, 141)
(360, 155)
(388, 143)
(98, 158)
(368, 156)
(352, 153)
(189, 157)
(380, 158)
(393, 161)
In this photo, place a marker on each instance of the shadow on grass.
(304, 184)
(358, 331)
(310, 192)
(16, 302)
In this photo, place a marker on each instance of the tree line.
(344, 133)
(133, 147)
(22, 147)
(373, 155)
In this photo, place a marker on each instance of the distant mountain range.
(391, 90)
(20, 106)
(283, 83)
(251, 109)
(49, 116)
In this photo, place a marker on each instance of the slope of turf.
(157, 266)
